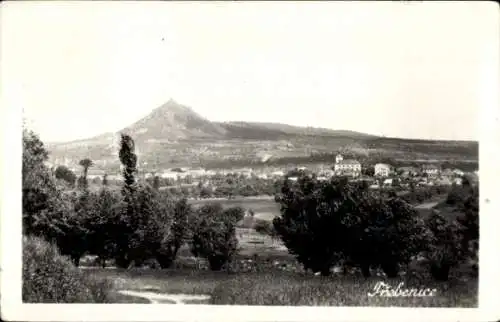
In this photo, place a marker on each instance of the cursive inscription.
(386, 290)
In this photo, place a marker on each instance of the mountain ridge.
(174, 133)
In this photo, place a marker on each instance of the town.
(202, 183)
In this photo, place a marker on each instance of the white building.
(347, 167)
(387, 182)
(197, 172)
(431, 169)
(382, 169)
(278, 173)
(169, 175)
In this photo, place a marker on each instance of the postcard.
(249, 161)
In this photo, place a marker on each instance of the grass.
(296, 290)
(264, 208)
(274, 287)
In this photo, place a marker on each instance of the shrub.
(469, 223)
(444, 249)
(214, 236)
(235, 213)
(264, 227)
(49, 277)
(62, 172)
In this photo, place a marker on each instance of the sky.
(414, 70)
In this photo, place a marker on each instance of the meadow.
(278, 287)
(264, 207)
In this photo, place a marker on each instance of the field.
(265, 208)
(285, 288)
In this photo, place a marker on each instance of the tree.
(86, 164)
(234, 214)
(468, 222)
(74, 236)
(214, 236)
(368, 170)
(125, 221)
(62, 172)
(444, 248)
(101, 224)
(47, 211)
(205, 192)
(168, 248)
(39, 188)
(322, 223)
(156, 182)
(128, 158)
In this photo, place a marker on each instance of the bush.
(49, 277)
(469, 223)
(62, 172)
(444, 249)
(322, 223)
(264, 227)
(214, 236)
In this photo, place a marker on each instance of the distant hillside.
(174, 134)
(173, 121)
(266, 131)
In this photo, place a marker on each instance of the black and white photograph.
(240, 159)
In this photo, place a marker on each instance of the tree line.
(330, 223)
(129, 226)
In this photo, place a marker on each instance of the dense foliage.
(49, 277)
(322, 223)
(444, 250)
(214, 234)
(62, 172)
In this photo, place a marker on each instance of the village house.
(114, 177)
(458, 172)
(196, 172)
(431, 170)
(444, 181)
(387, 183)
(328, 173)
(278, 173)
(382, 169)
(95, 173)
(169, 175)
(408, 171)
(448, 173)
(348, 167)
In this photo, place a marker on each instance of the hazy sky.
(395, 69)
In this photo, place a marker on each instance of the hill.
(175, 135)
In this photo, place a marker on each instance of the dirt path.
(427, 205)
(162, 298)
